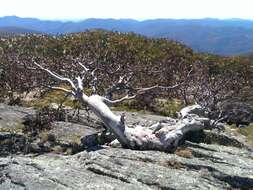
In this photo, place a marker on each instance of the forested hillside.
(202, 78)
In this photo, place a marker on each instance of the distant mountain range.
(224, 37)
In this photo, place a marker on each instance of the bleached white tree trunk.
(161, 136)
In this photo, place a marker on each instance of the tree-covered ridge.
(202, 77)
(223, 37)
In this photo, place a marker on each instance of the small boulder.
(238, 113)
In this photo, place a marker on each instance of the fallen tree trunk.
(163, 136)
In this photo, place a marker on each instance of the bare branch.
(111, 72)
(94, 81)
(79, 83)
(62, 89)
(111, 102)
(83, 66)
(55, 75)
(139, 92)
(123, 83)
(143, 90)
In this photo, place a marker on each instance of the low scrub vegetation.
(202, 78)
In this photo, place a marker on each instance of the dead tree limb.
(162, 136)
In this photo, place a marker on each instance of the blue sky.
(136, 9)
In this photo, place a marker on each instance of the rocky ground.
(73, 155)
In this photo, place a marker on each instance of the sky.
(135, 9)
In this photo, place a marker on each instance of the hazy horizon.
(77, 10)
(82, 19)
